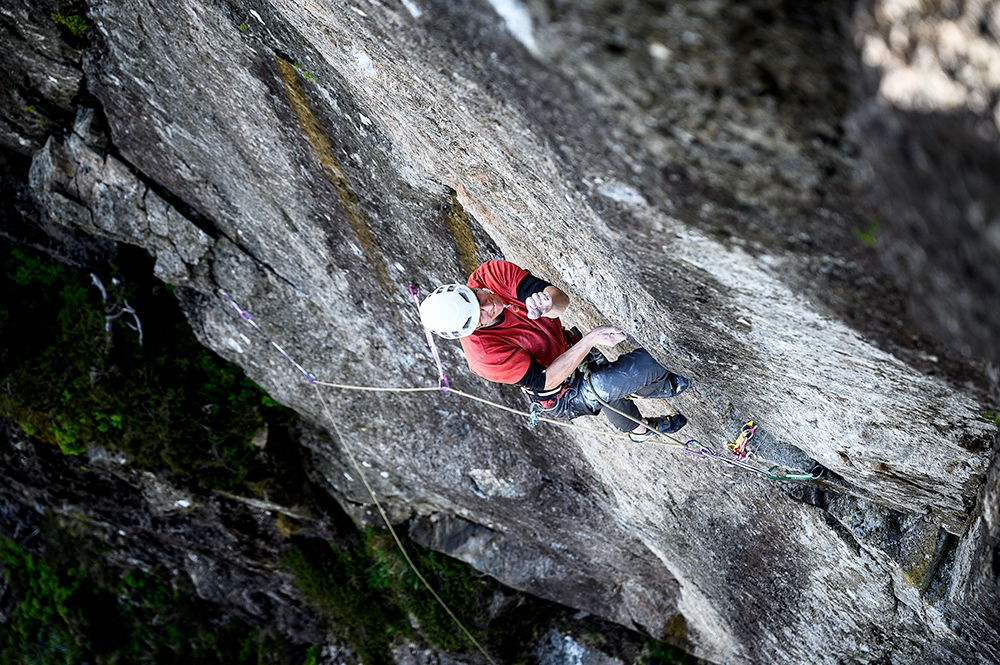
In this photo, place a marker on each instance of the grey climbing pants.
(635, 373)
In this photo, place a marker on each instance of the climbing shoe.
(675, 385)
(662, 424)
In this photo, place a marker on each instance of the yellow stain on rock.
(458, 223)
(676, 631)
(321, 145)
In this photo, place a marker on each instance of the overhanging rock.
(336, 154)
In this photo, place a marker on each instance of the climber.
(508, 323)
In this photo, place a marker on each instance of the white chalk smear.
(365, 64)
(623, 194)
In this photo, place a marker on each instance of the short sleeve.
(530, 285)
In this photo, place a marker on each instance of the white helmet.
(452, 311)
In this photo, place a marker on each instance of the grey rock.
(412, 654)
(333, 154)
(40, 78)
(89, 190)
(558, 649)
(136, 516)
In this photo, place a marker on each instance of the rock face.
(682, 171)
(154, 526)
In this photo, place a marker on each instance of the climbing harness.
(739, 449)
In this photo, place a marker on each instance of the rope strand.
(444, 387)
(245, 315)
(476, 398)
(395, 536)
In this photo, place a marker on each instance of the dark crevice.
(203, 222)
(843, 532)
(182, 207)
(938, 587)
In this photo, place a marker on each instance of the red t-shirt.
(503, 352)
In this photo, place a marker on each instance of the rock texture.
(217, 548)
(932, 128)
(681, 170)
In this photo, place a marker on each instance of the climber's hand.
(538, 304)
(606, 336)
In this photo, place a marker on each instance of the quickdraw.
(741, 453)
(782, 475)
(245, 315)
(534, 410)
(739, 447)
(739, 450)
(698, 449)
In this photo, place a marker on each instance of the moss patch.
(71, 606)
(867, 234)
(75, 23)
(374, 599)
(661, 653)
(75, 374)
(920, 562)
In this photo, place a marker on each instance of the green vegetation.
(661, 653)
(867, 234)
(74, 378)
(305, 73)
(992, 417)
(373, 601)
(367, 592)
(243, 27)
(76, 24)
(72, 608)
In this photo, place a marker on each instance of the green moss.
(76, 24)
(676, 629)
(305, 73)
(73, 607)
(920, 559)
(370, 595)
(867, 234)
(661, 653)
(325, 153)
(312, 656)
(992, 417)
(167, 403)
(457, 221)
(336, 581)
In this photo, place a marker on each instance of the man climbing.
(508, 323)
